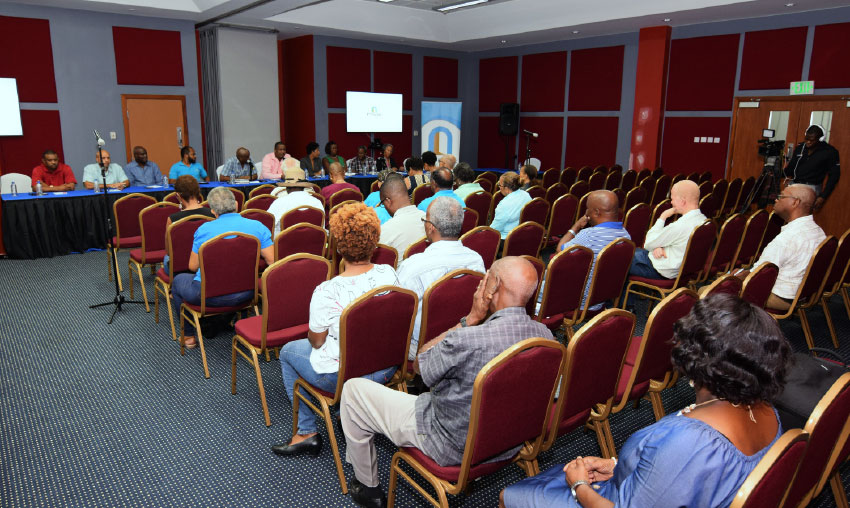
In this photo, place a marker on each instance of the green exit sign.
(802, 87)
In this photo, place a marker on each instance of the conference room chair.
(565, 278)
(753, 233)
(341, 196)
(597, 181)
(594, 360)
(308, 214)
(837, 273)
(539, 267)
(385, 255)
(128, 232)
(300, 238)
(206, 204)
(721, 188)
(721, 257)
(827, 428)
(152, 224)
(218, 171)
(706, 176)
(661, 189)
(648, 187)
(584, 173)
(658, 173)
(416, 247)
(772, 228)
(480, 201)
(240, 198)
(22, 182)
(485, 184)
(421, 193)
(568, 176)
(179, 237)
(550, 177)
(520, 381)
(690, 272)
(336, 207)
(601, 169)
(637, 222)
(287, 287)
(374, 334)
(259, 215)
(693, 176)
(526, 238)
(489, 175)
(494, 202)
(580, 188)
(678, 178)
(709, 206)
(536, 210)
(629, 180)
(228, 264)
(705, 189)
(757, 286)
(725, 284)
(562, 218)
(376, 185)
(582, 206)
(536, 191)
(262, 190)
(733, 195)
(834, 478)
(260, 202)
(621, 197)
(172, 197)
(658, 209)
(768, 483)
(746, 188)
(642, 175)
(485, 241)
(609, 275)
(612, 181)
(633, 197)
(470, 220)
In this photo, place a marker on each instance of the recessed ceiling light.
(666, 20)
(132, 8)
(576, 31)
(458, 5)
(504, 41)
(789, 5)
(385, 1)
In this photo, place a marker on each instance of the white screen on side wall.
(372, 112)
(10, 108)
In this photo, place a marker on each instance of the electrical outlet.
(112, 135)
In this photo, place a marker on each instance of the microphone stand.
(118, 300)
(527, 148)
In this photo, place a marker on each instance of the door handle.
(180, 137)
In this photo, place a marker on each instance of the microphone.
(100, 141)
(529, 133)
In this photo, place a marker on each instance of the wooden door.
(158, 123)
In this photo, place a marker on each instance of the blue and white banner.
(441, 128)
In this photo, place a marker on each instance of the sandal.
(189, 342)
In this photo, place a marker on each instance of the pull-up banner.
(441, 128)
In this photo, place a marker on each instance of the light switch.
(717, 140)
(703, 139)
(112, 135)
(696, 139)
(415, 133)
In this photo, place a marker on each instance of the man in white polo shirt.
(406, 226)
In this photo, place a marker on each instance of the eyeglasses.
(783, 196)
(423, 219)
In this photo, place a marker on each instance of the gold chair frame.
(779, 448)
(529, 223)
(132, 263)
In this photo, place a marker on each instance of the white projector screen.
(372, 112)
(10, 108)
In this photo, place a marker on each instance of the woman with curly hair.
(735, 356)
(356, 229)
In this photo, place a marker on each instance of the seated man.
(187, 166)
(506, 215)
(667, 244)
(445, 253)
(528, 176)
(406, 226)
(793, 248)
(465, 178)
(362, 163)
(273, 161)
(54, 175)
(442, 182)
(373, 200)
(337, 176)
(238, 166)
(187, 286)
(312, 162)
(291, 195)
(115, 177)
(141, 171)
(436, 422)
(448, 161)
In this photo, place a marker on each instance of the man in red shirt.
(54, 175)
(337, 176)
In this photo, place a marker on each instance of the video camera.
(768, 148)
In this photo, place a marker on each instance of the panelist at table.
(115, 177)
(239, 166)
(187, 166)
(272, 162)
(362, 163)
(54, 175)
(312, 162)
(141, 171)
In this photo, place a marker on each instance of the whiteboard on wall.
(10, 108)
(372, 112)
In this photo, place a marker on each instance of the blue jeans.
(184, 288)
(642, 266)
(165, 264)
(295, 363)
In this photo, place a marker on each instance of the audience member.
(429, 164)
(115, 177)
(811, 161)
(54, 176)
(189, 194)
(239, 166)
(316, 359)
(312, 163)
(528, 176)
(415, 174)
(336, 172)
(436, 422)
(406, 226)
(373, 200)
(506, 215)
(735, 356)
(332, 155)
(187, 166)
(187, 286)
(448, 161)
(292, 195)
(272, 162)
(465, 179)
(445, 253)
(442, 183)
(141, 171)
(386, 160)
(362, 163)
(793, 248)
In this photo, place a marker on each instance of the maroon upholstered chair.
(179, 237)
(480, 202)
(835, 484)
(582, 206)
(526, 238)
(773, 227)
(637, 222)
(536, 210)
(658, 209)
(678, 178)
(642, 175)
(422, 192)
(240, 198)
(568, 177)
(746, 188)
(833, 280)
(385, 255)
(261, 216)
(694, 177)
(633, 197)
(128, 232)
(262, 190)
(539, 267)
(658, 173)
(662, 188)
(727, 284)
(300, 239)
(753, 232)
(489, 175)
(759, 283)
(550, 177)
(497, 198)
(470, 220)
(485, 184)
(612, 181)
(648, 187)
(767, 484)
(597, 181)
(562, 217)
(260, 202)
(705, 189)
(601, 169)
(621, 197)
(152, 224)
(287, 287)
(565, 279)
(374, 186)
(521, 380)
(589, 383)
(172, 198)
(417, 247)
(206, 204)
(721, 188)
(343, 195)
(374, 334)
(307, 214)
(709, 206)
(733, 194)
(721, 258)
(555, 192)
(485, 241)
(536, 192)
(629, 180)
(706, 176)
(584, 173)
(580, 188)
(228, 264)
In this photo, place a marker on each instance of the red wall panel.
(299, 102)
(393, 73)
(497, 82)
(402, 141)
(491, 146)
(830, 54)
(147, 57)
(347, 69)
(758, 72)
(679, 152)
(591, 141)
(544, 76)
(347, 142)
(702, 73)
(650, 88)
(19, 154)
(596, 79)
(30, 62)
(548, 146)
(440, 77)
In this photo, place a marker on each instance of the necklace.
(690, 408)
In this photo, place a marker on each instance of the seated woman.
(189, 194)
(735, 356)
(356, 229)
(415, 174)
(331, 156)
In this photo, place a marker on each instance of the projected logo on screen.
(372, 112)
(441, 127)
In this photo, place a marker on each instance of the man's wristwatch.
(574, 486)
(463, 323)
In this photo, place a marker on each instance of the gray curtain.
(212, 100)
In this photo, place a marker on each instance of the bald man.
(406, 226)
(664, 247)
(448, 161)
(337, 175)
(436, 422)
(238, 166)
(793, 248)
(115, 176)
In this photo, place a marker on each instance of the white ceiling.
(498, 23)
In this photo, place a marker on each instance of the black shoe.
(310, 446)
(370, 497)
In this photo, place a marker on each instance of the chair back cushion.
(126, 211)
(597, 181)
(612, 268)
(260, 202)
(300, 239)
(633, 197)
(753, 232)
(228, 264)
(539, 267)
(706, 176)
(288, 287)
(629, 180)
(727, 243)
(568, 177)
(470, 220)
(345, 195)
(746, 188)
(637, 221)
(818, 269)
(536, 192)
(697, 251)
(563, 215)
(489, 175)
(307, 214)
(447, 300)
(767, 484)
(659, 209)
(727, 284)
(759, 283)
(839, 265)
(385, 255)
(662, 187)
(497, 198)
(550, 177)
(709, 206)
(261, 216)
(565, 278)
(485, 241)
(525, 239)
(536, 210)
(580, 188)
(732, 195)
(262, 190)
(485, 184)
(179, 239)
(613, 180)
(172, 198)
(771, 229)
(240, 198)
(480, 202)
(152, 221)
(417, 247)
(421, 193)
(555, 191)
(584, 173)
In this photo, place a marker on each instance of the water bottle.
(14, 189)
(96, 186)
(164, 181)
(38, 191)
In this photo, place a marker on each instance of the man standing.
(141, 171)
(406, 226)
(115, 177)
(272, 163)
(239, 166)
(813, 160)
(187, 166)
(292, 195)
(362, 163)
(338, 183)
(436, 422)
(448, 161)
(54, 175)
(386, 161)
(442, 183)
(312, 162)
(506, 215)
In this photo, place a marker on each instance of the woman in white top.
(356, 229)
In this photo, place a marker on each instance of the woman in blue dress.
(735, 355)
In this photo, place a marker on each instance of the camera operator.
(813, 160)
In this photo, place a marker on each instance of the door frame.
(126, 118)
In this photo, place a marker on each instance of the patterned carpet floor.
(97, 415)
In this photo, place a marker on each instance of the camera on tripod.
(768, 148)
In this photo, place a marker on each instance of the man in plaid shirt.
(362, 163)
